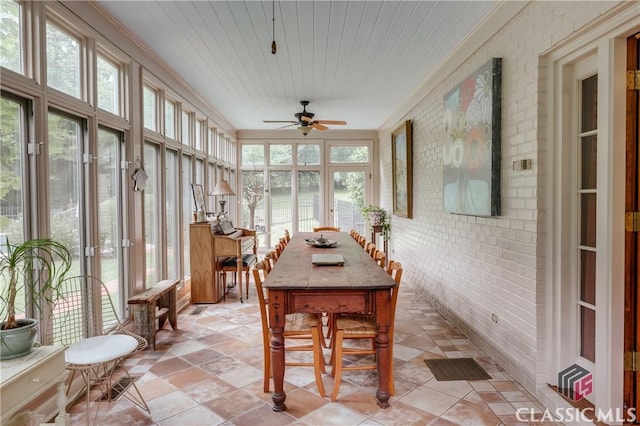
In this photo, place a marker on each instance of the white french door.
(349, 189)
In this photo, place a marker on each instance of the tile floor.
(209, 372)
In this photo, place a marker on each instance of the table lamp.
(222, 188)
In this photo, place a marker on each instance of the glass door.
(349, 191)
(110, 220)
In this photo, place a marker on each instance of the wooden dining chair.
(287, 235)
(299, 326)
(380, 257)
(361, 327)
(362, 241)
(371, 249)
(326, 229)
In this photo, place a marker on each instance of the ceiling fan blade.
(293, 123)
(279, 121)
(305, 118)
(336, 122)
(319, 126)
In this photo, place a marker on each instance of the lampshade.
(222, 188)
(305, 129)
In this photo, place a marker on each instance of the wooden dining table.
(295, 284)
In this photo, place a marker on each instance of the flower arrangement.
(377, 216)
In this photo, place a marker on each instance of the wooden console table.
(24, 379)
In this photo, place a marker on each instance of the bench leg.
(173, 308)
(144, 317)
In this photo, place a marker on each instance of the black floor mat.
(456, 369)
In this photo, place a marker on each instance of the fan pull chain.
(274, 48)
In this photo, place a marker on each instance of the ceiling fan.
(305, 121)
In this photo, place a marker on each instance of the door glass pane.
(589, 104)
(188, 207)
(63, 62)
(109, 218)
(309, 155)
(253, 202)
(348, 199)
(172, 214)
(349, 154)
(308, 200)
(65, 139)
(588, 222)
(151, 217)
(589, 162)
(108, 86)
(588, 333)
(588, 277)
(281, 204)
(11, 40)
(280, 155)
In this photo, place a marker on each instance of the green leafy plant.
(36, 266)
(377, 216)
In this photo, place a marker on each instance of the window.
(186, 128)
(211, 142)
(280, 155)
(110, 204)
(108, 80)
(11, 35)
(150, 102)
(172, 214)
(169, 119)
(65, 184)
(152, 205)
(200, 124)
(63, 62)
(253, 155)
(349, 154)
(13, 161)
(308, 155)
(188, 207)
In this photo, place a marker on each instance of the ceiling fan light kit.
(305, 121)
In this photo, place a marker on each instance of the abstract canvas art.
(471, 151)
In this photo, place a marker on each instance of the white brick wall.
(472, 267)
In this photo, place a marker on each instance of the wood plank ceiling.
(357, 61)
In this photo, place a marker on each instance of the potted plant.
(36, 268)
(378, 217)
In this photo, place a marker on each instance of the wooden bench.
(159, 302)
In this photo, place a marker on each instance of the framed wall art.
(401, 159)
(471, 151)
(198, 195)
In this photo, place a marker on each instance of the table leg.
(383, 355)
(276, 324)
